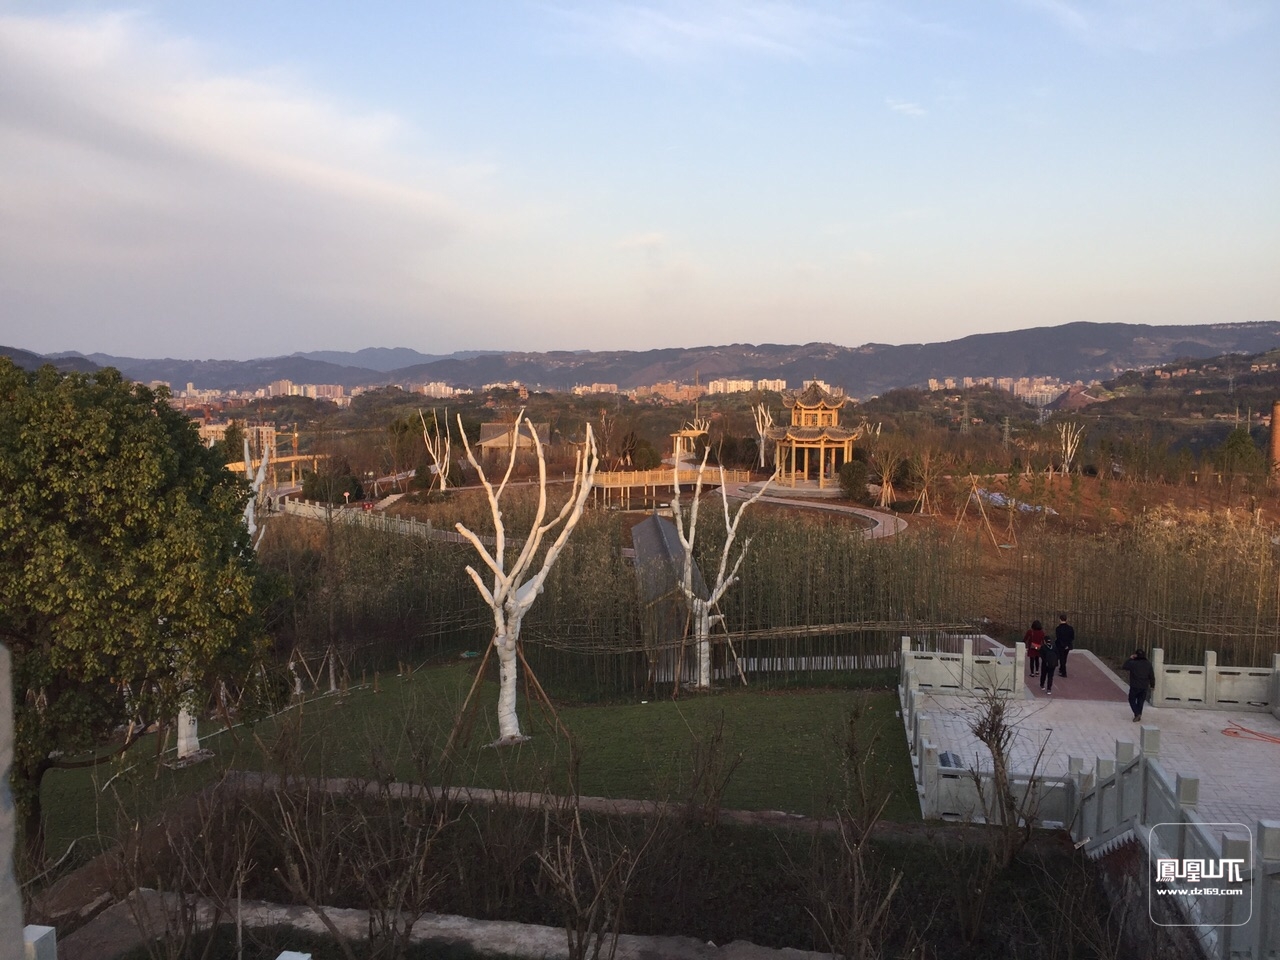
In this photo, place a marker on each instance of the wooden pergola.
(814, 438)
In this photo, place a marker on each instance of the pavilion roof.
(829, 432)
(813, 396)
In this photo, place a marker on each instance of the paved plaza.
(1235, 754)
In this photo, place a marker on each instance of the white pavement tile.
(1239, 774)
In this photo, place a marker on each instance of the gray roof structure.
(664, 613)
(660, 560)
(497, 436)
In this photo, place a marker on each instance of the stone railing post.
(1128, 794)
(1210, 678)
(1019, 666)
(1157, 667)
(1266, 906)
(1188, 790)
(40, 943)
(1075, 773)
(966, 665)
(929, 781)
(10, 898)
(923, 735)
(1104, 768)
(1238, 910)
(1150, 743)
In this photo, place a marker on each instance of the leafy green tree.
(331, 482)
(854, 476)
(233, 442)
(1239, 455)
(126, 575)
(644, 456)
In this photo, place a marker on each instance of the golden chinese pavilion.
(814, 440)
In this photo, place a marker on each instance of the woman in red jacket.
(1034, 640)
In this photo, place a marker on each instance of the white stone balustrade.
(1211, 687)
(1124, 799)
(967, 673)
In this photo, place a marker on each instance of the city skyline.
(248, 180)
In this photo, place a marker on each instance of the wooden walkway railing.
(665, 478)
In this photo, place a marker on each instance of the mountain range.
(1075, 351)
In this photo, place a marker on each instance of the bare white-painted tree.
(1069, 434)
(188, 725)
(700, 608)
(256, 482)
(764, 420)
(928, 466)
(888, 458)
(515, 587)
(438, 445)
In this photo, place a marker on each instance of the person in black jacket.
(1064, 638)
(1048, 660)
(1142, 677)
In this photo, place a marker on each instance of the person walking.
(1033, 640)
(1048, 660)
(1142, 677)
(1064, 638)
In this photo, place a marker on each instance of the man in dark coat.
(1064, 638)
(1142, 677)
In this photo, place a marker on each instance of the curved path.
(882, 524)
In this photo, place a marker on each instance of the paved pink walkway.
(1087, 679)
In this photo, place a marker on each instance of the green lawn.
(791, 747)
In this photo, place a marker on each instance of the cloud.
(905, 107)
(643, 241)
(142, 187)
(1154, 26)
(666, 31)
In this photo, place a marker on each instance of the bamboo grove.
(1184, 582)
(811, 588)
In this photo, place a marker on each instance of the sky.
(245, 178)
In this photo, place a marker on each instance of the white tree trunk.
(508, 721)
(702, 641)
(726, 575)
(188, 734)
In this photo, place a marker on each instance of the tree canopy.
(126, 574)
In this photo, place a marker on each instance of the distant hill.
(386, 359)
(1074, 351)
(34, 361)
(239, 374)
